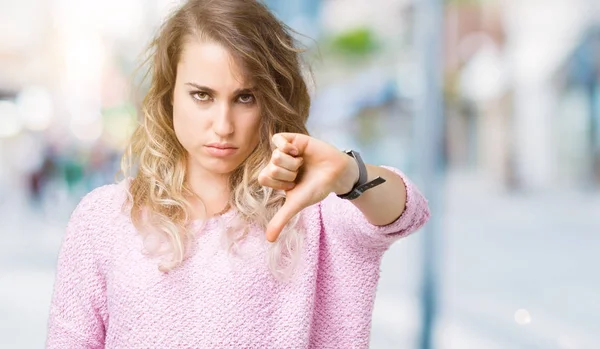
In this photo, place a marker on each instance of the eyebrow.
(213, 92)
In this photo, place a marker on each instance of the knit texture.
(108, 294)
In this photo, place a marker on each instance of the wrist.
(349, 178)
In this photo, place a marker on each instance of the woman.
(236, 229)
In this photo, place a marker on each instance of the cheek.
(185, 121)
(253, 128)
(179, 124)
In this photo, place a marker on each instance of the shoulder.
(101, 206)
(97, 220)
(104, 199)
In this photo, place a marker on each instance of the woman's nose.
(223, 123)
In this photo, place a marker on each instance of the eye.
(246, 98)
(200, 96)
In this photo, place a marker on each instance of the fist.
(308, 170)
(283, 168)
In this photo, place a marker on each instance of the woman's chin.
(220, 166)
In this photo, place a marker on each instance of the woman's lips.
(220, 151)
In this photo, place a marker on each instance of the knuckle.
(274, 171)
(263, 177)
(276, 157)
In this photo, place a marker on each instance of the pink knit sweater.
(108, 294)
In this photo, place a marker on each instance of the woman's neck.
(211, 191)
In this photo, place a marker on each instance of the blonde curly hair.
(155, 160)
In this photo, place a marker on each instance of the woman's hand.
(308, 170)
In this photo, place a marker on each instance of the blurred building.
(504, 103)
(578, 82)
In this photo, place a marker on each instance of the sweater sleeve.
(342, 218)
(78, 309)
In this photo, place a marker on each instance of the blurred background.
(491, 106)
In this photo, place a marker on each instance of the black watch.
(362, 185)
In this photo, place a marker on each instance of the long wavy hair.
(154, 161)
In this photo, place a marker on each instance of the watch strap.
(362, 184)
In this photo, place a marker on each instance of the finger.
(284, 146)
(299, 141)
(286, 161)
(279, 173)
(267, 181)
(281, 218)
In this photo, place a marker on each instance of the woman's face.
(215, 114)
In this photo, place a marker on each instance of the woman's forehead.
(210, 64)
